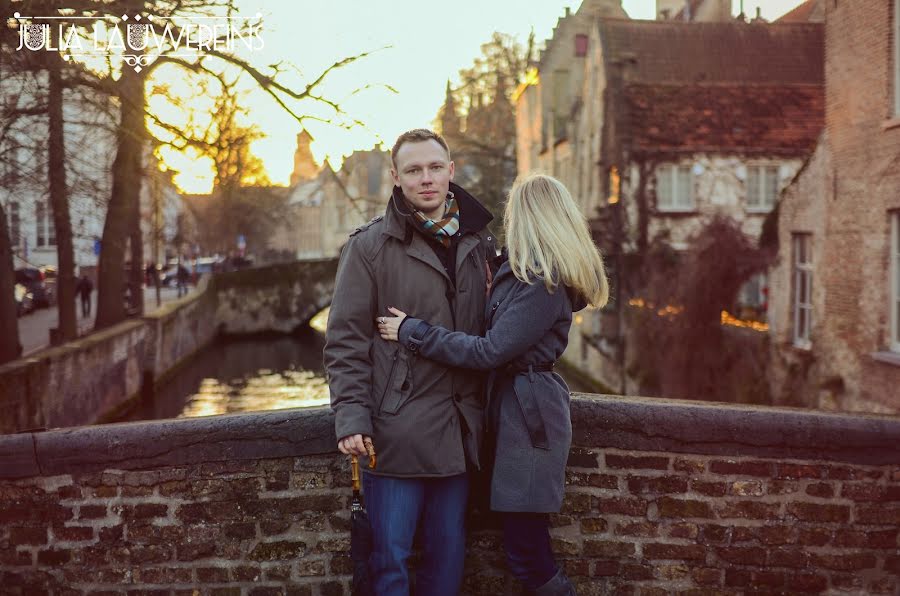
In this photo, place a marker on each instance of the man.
(426, 256)
(84, 288)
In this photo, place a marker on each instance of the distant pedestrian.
(84, 288)
(181, 278)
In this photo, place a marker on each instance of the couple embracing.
(442, 354)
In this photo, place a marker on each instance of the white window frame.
(45, 230)
(894, 278)
(802, 275)
(897, 58)
(15, 224)
(678, 201)
(762, 203)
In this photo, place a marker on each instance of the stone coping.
(628, 423)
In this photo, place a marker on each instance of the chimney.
(568, 11)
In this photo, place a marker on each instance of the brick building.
(325, 205)
(670, 129)
(835, 321)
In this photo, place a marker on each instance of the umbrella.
(360, 531)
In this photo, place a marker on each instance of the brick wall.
(865, 151)
(664, 497)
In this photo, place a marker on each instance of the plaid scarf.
(442, 229)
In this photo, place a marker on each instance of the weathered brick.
(873, 539)
(806, 583)
(193, 551)
(707, 576)
(878, 514)
(689, 531)
(819, 512)
(54, 557)
(576, 503)
(742, 555)
(246, 573)
(130, 492)
(91, 511)
(741, 468)
(604, 548)
(842, 581)
(641, 528)
(814, 536)
(691, 466)
(582, 458)
(68, 492)
(340, 564)
(744, 488)
(621, 506)
(73, 533)
(799, 471)
(593, 525)
(278, 572)
(146, 510)
(311, 568)
(278, 551)
(846, 473)
(636, 462)
(564, 547)
(782, 487)
(670, 507)
(239, 530)
(274, 527)
(870, 492)
(749, 510)
(687, 552)
(711, 489)
(783, 557)
(605, 568)
(212, 575)
(713, 533)
(845, 562)
(606, 481)
(775, 535)
(886, 585)
(820, 489)
(576, 567)
(658, 484)
(672, 573)
(635, 572)
(28, 535)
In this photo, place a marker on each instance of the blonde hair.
(548, 237)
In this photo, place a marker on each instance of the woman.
(553, 269)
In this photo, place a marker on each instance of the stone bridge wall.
(90, 379)
(664, 497)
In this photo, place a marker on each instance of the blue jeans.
(396, 506)
(526, 537)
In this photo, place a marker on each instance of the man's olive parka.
(424, 418)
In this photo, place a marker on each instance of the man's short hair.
(417, 135)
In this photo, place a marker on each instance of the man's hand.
(353, 445)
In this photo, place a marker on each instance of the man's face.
(423, 172)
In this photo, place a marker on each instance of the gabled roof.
(811, 11)
(762, 119)
(730, 52)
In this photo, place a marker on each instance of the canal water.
(245, 375)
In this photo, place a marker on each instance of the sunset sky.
(429, 43)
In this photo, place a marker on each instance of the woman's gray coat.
(529, 410)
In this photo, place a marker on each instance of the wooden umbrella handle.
(370, 449)
(354, 472)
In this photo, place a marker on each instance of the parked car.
(33, 279)
(24, 300)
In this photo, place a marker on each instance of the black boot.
(559, 585)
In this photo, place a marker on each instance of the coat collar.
(473, 216)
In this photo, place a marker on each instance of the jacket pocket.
(399, 384)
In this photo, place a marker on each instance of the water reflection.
(250, 374)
